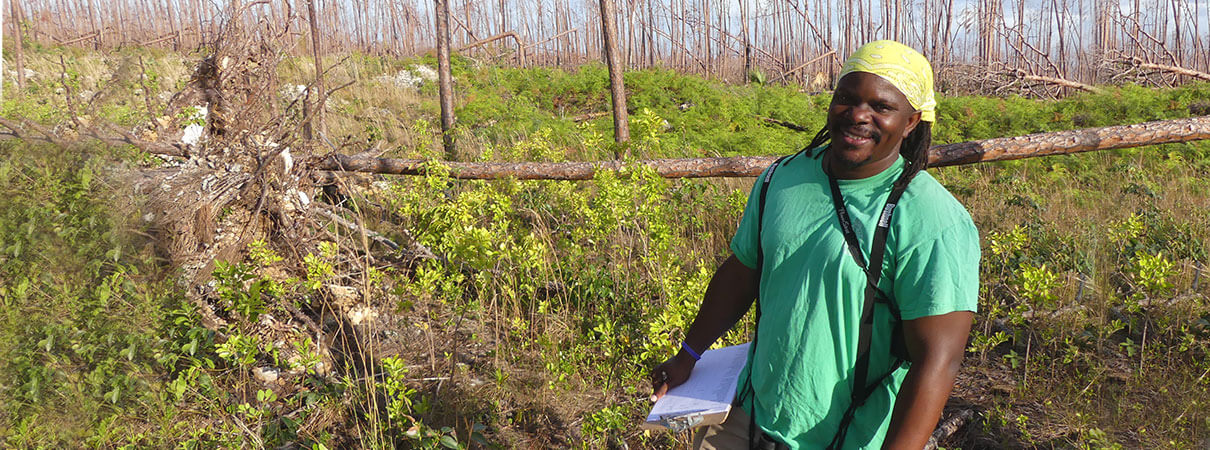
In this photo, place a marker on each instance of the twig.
(800, 66)
(319, 332)
(416, 248)
(254, 436)
(590, 116)
(71, 104)
(790, 125)
(146, 92)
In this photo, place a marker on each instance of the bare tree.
(617, 88)
(445, 81)
(18, 43)
(314, 106)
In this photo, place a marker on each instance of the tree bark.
(18, 43)
(315, 95)
(445, 80)
(3, 66)
(1074, 141)
(998, 149)
(948, 428)
(617, 87)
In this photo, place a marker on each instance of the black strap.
(760, 263)
(861, 390)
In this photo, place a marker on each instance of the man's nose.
(860, 113)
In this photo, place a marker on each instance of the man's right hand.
(670, 374)
(728, 296)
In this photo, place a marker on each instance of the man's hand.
(670, 374)
(728, 297)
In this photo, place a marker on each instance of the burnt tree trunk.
(445, 80)
(617, 87)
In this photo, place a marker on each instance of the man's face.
(867, 120)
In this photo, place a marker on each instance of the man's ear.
(912, 122)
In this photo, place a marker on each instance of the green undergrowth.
(1094, 327)
(87, 328)
(554, 297)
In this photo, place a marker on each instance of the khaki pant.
(732, 434)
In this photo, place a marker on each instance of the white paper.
(710, 388)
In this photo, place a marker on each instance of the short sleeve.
(743, 243)
(940, 275)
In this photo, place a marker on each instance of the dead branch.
(160, 39)
(124, 138)
(507, 34)
(790, 125)
(998, 149)
(19, 132)
(535, 44)
(1061, 82)
(1140, 64)
(800, 66)
(83, 38)
(948, 428)
(1021, 74)
(591, 115)
(415, 248)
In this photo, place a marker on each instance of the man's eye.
(882, 107)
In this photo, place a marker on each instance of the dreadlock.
(914, 149)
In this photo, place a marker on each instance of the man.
(799, 385)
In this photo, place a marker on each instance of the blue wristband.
(685, 347)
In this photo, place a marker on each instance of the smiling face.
(867, 120)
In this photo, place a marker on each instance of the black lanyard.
(878, 249)
(873, 270)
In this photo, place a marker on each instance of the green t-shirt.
(812, 293)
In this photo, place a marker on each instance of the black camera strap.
(873, 270)
(747, 393)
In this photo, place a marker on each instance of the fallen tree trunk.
(740, 166)
(1062, 82)
(1136, 62)
(1074, 141)
(998, 149)
(19, 129)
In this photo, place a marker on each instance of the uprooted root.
(237, 186)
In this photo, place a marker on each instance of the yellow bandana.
(903, 67)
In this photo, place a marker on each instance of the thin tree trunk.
(445, 81)
(315, 107)
(3, 66)
(617, 88)
(19, 42)
(743, 23)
